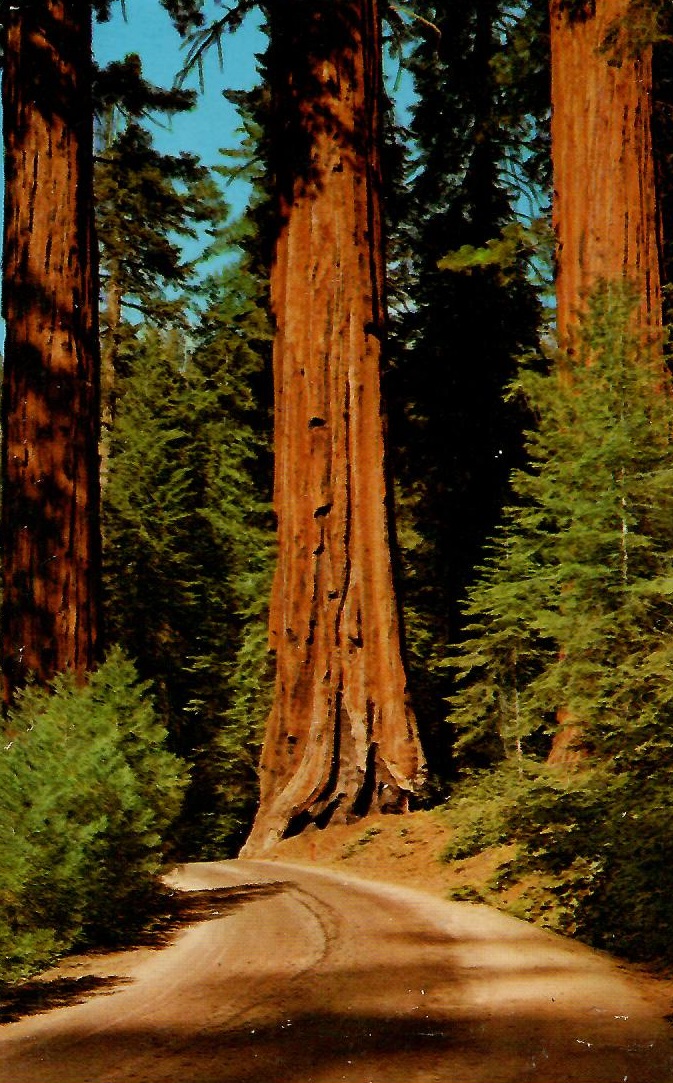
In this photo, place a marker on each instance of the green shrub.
(481, 809)
(596, 842)
(87, 792)
(604, 836)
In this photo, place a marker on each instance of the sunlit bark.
(50, 410)
(604, 207)
(341, 738)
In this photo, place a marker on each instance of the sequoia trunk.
(50, 406)
(341, 738)
(604, 204)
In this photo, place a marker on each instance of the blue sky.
(211, 125)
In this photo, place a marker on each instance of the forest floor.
(406, 850)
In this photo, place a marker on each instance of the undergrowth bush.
(594, 849)
(481, 809)
(87, 793)
(605, 839)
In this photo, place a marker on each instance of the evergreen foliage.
(602, 839)
(233, 355)
(476, 129)
(187, 531)
(147, 202)
(569, 611)
(572, 602)
(188, 549)
(573, 612)
(237, 327)
(147, 205)
(185, 14)
(87, 793)
(186, 460)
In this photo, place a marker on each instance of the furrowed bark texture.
(604, 206)
(341, 739)
(50, 405)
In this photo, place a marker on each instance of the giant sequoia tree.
(50, 411)
(604, 188)
(602, 144)
(341, 738)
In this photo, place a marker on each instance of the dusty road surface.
(284, 974)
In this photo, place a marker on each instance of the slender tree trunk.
(341, 738)
(50, 406)
(604, 205)
(604, 208)
(109, 363)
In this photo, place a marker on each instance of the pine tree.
(188, 544)
(571, 606)
(189, 451)
(233, 356)
(147, 202)
(50, 411)
(168, 601)
(147, 205)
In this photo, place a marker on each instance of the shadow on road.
(190, 907)
(34, 997)
(358, 1047)
(391, 997)
(178, 909)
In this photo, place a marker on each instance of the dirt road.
(289, 975)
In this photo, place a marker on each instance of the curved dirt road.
(290, 975)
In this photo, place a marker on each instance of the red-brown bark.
(50, 408)
(341, 738)
(604, 206)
